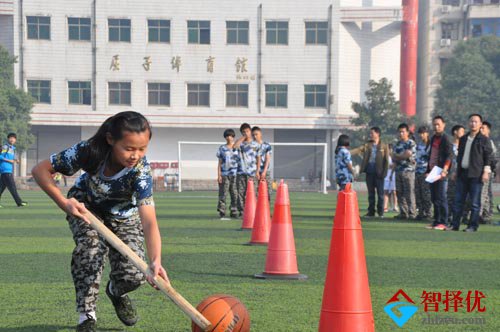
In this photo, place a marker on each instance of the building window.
(449, 31)
(198, 32)
(119, 30)
(78, 28)
(276, 95)
(315, 96)
(277, 33)
(159, 31)
(451, 2)
(38, 27)
(79, 93)
(316, 33)
(40, 91)
(119, 93)
(198, 94)
(237, 95)
(237, 32)
(477, 30)
(159, 94)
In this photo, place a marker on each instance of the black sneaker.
(234, 215)
(369, 215)
(125, 310)
(23, 204)
(470, 230)
(400, 216)
(222, 215)
(88, 325)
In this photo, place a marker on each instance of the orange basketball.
(225, 312)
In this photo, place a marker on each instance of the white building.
(195, 68)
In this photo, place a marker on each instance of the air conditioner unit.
(445, 9)
(445, 42)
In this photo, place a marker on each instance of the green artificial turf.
(205, 256)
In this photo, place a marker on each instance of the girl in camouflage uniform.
(117, 187)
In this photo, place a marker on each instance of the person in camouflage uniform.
(487, 192)
(457, 131)
(226, 175)
(422, 188)
(247, 163)
(404, 162)
(263, 160)
(117, 187)
(343, 162)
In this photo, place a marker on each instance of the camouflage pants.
(269, 183)
(241, 184)
(90, 254)
(423, 196)
(486, 210)
(405, 190)
(228, 185)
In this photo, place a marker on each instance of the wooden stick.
(163, 285)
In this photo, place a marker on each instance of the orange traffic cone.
(249, 211)
(262, 222)
(281, 260)
(347, 303)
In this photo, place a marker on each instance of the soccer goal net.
(302, 165)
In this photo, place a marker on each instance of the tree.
(381, 109)
(15, 105)
(470, 82)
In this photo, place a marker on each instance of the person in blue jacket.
(7, 161)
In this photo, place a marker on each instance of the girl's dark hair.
(456, 128)
(229, 132)
(343, 140)
(116, 125)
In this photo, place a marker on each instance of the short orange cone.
(347, 303)
(262, 222)
(281, 260)
(249, 211)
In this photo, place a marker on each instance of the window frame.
(159, 30)
(238, 30)
(37, 100)
(237, 94)
(316, 31)
(159, 93)
(79, 25)
(198, 96)
(198, 31)
(80, 92)
(120, 91)
(276, 93)
(277, 29)
(315, 94)
(119, 29)
(38, 27)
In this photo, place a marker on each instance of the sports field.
(204, 256)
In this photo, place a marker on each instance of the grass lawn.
(205, 256)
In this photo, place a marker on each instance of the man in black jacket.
(440, 155)
(473, 169)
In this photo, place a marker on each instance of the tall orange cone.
(347, 303)
(281, 260)
(262, 222)
(249, 211)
